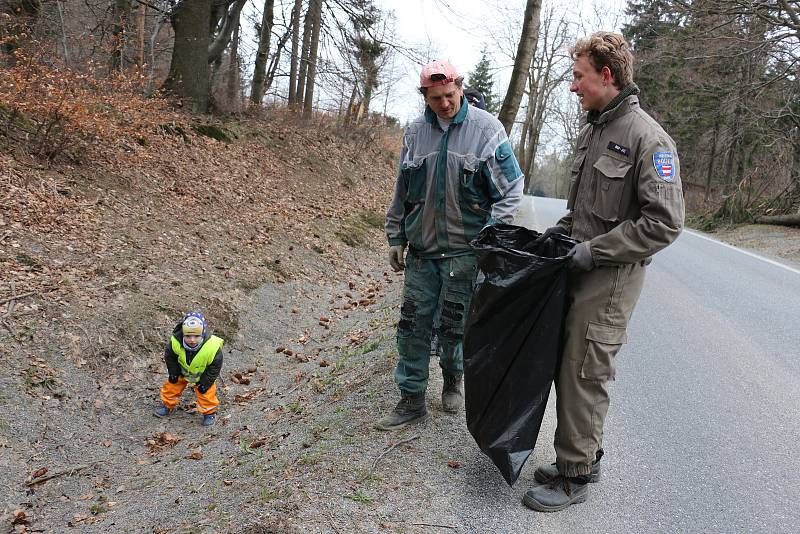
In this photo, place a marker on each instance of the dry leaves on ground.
(161, 441)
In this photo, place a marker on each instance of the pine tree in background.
(481, 80)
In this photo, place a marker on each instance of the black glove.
(580, 257)
(553, 230)
(173, 379)
(201, 388)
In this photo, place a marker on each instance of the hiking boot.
(546, 473)
(161, 411)
(208, 419)
(558, 494)
(408, 410)
(452, 397)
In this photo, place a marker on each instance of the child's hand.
(173, 379)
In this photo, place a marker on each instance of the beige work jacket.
(625, 194)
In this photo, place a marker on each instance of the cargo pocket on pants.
(603, 341)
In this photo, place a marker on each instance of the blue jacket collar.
(430, 116)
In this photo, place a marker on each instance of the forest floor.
(276, 234)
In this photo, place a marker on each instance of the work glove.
(173, 379)
(396, 257)
(580, 257)
(202, 388)
(553, 230)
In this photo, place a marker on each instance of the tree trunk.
(711, 161)
(276, 58)
(233, 89)
(298, 6)
(122, 12)
(785, 220)
(303, 65)
(311, 76)
(188, 71)
(348, 117)
(260, 69)
(220, 42)
(141, 19)
(523, 138)
(522, 64)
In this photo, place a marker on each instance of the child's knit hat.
(194, 324)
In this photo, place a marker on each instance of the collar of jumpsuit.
(432, 118)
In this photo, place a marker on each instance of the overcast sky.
(457, 30)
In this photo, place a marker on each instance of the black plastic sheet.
(513, 340)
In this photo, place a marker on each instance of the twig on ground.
(9, 328)
(433, 525)
(331, 521)
(390, 449)
(17, 297)
(70, 471)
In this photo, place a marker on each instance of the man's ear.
(608, 78)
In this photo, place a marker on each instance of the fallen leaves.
(39, 472)
(161, 441)
(19, 517)
(357, 338)
(245, 398)
(196, 454)
(240, 378)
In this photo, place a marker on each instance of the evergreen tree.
(481, 80)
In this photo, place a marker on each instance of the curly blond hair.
(607, 49)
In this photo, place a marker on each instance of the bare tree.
(549, 70)
(260, 69)
(298, 7)
(303, 60)
(522, 62)
(315, 8)
(122, 12)
(202, 31)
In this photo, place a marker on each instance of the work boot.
(161, 411)
(208, 419)
(546, 473)
(408, 410)
(452, 397)
(558, 494)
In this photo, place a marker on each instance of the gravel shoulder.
(781, 243)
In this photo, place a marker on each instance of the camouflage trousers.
(436, 298)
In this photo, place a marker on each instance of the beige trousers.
(601, 303)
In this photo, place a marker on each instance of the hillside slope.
(275, 233)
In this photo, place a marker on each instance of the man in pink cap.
(457, 174)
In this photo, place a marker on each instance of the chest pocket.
(473, 185)
(416, 180)
(610, 174)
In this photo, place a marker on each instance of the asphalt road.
(703, 430)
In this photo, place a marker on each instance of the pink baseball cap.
(437, 73)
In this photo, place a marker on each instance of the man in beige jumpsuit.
(625, 204)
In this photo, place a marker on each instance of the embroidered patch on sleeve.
(616, 147)
(665, 165)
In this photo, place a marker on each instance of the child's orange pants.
(206, 402)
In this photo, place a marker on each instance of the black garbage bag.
(512, 341)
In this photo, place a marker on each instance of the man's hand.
(580, 257)
(396, 257)
(173, 379)
(202, 389)
(553, 230)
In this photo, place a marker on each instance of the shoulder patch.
(665, 165)
(616, 147)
